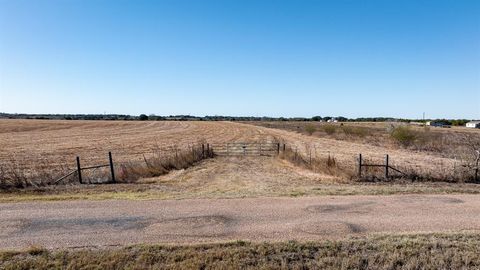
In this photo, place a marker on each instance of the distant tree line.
(152, 117)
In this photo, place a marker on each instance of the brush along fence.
(150, 164)
(95, 173)
(370, 170)
(387, 168)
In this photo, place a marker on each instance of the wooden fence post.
(386, 166)
(284, 148)
(278, 148)
(208, 150)
(360, 165)
(79, 170)
(203, 150)
(111, 167)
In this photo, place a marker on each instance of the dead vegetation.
(36, 153)
(465, 171)
(160, 163)
(446, 143)
(326, 165)
(420, 251)
(14, 174)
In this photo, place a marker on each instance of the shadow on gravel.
(360, 208)
(197, 226)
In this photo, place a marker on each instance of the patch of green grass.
(424, 251)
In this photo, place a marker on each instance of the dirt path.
(101, 223)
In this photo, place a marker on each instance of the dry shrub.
(356, 131)
(160, 163)
(310, 129)
(404, 135)
(329, 129)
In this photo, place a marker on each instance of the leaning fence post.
(386, 166)
(360, 165)
(476, 175)
(79, 170)
(111, 166)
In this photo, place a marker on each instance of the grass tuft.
(419, 251)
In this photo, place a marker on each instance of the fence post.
(284, 148)
(111, 166)
(203, 150)
(208, 149)
(386, 166)
(278, 148)
(79, 170)
(360, 165)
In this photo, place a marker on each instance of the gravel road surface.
(105, 223)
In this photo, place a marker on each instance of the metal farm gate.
(246, 149)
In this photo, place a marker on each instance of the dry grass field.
(53, 145)
(48, 145)
(436, 151)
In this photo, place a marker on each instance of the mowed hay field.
(28, 142)
(59, 142)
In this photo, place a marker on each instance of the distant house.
(333, 120)
(473, 124)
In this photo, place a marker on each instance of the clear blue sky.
(246, 57)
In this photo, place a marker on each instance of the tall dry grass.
(463, 171)
(15, 174)
(317, 163)
(159, 163)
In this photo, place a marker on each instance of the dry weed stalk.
(160, 163)
(312, 161)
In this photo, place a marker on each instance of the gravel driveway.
(104, 223)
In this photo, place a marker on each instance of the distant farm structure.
(438, 124)
(473, 124)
